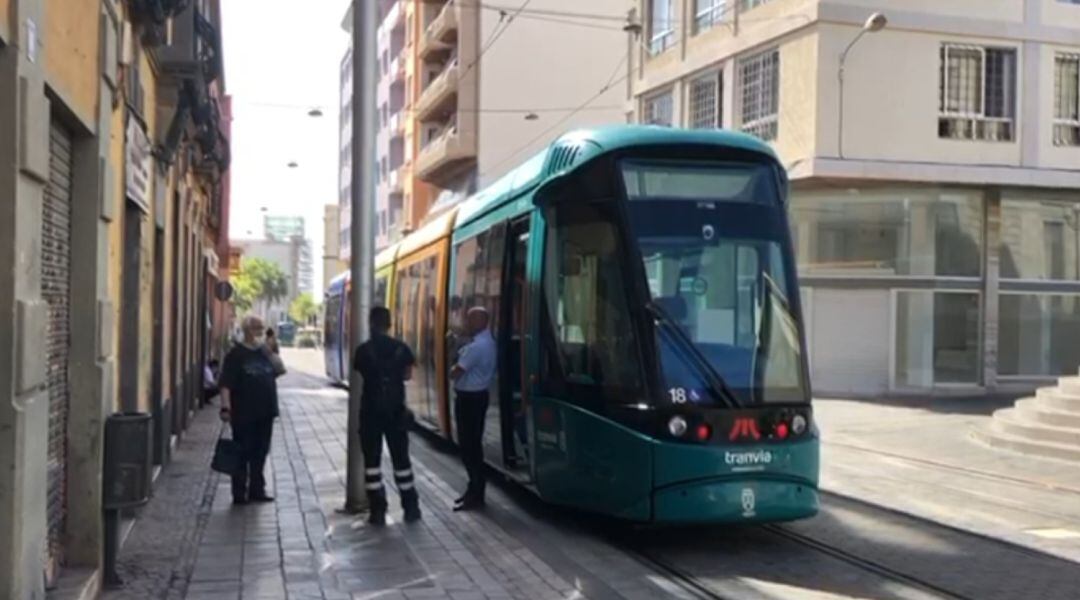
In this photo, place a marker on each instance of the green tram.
(646, 306)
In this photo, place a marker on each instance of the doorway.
(512, 401)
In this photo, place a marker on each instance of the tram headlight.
(677, 426)
(798, 424)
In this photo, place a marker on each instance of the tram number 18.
(678, 395)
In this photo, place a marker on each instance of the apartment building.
(468, 90)
(934, 154)
(113, 174)
(292, 229)
(332, 265)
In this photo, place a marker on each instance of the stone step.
(997, 439)
(1010, 421)
(1057, 399)
(1031, 409)
(1070, 385)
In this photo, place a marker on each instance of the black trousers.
(470, 412)
(375, 427)
(254, 437)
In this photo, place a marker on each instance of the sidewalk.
(919, 457)
(299, 547)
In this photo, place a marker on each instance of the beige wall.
(989, 10)
(892, 77)
(546, 65)
(798, 98)
(1059, 14)
(5, 14)
(897, 98)
(71, 54)
(1051, 156)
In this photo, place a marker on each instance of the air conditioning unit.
(182, 56)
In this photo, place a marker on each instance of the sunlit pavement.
(299, 547)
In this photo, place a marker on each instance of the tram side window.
(464, 263)
(587, 304)
(478, 264)
(381, 286)
(426, 347)
(332, 321)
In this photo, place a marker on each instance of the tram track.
(974, 473)
(865, 564)
(686, 582)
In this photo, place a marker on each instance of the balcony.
(439, 95)
(444, 27)
(395, 181)
(393, 18)
(443, 157)
(395, 125)
(441, 33)
(396, 72)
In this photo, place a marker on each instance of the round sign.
(224, 291)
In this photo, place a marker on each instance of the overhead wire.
(611, 82)
(506, 20)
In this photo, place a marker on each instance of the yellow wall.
(5, 13)
(71, 54)
(116, 164)
(146, 284)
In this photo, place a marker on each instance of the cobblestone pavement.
(300, 547)
(158, 557)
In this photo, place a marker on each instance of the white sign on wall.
(138, 164)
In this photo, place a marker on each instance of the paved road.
(519, 548)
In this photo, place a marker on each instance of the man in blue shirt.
(472, 375)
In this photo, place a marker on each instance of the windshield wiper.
(714, 380)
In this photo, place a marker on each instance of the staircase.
(1045, 425)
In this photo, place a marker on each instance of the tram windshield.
(713, 238)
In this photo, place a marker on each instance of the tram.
(646, 306)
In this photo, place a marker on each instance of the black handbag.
(228, 456)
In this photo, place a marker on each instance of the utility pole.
(364, 31)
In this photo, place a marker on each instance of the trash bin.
(128, 460)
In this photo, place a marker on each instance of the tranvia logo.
(748, 459)
(749, 503)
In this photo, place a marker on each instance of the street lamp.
(874, 23)
(315, 112)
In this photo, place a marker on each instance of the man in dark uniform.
(385, 365)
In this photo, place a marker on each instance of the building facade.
(331, 257)
(454, 113)
(288, 255)
(112, 180)
(292, 229)
(935, 198)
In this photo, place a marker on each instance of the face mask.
(260, 340)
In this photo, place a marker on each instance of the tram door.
(512, 351)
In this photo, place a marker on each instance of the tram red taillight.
(703, 432)
(782, 430)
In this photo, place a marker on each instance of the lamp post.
(874, 23)
(364, 31)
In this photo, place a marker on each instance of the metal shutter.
(55, 290)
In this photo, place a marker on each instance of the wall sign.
(138, 165)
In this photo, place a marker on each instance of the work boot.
(410, 502)
(377, 508)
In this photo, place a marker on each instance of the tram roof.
(576, 148)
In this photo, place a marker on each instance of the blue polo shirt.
(478, 359)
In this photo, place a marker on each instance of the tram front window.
(713, 242)
(594, 353)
